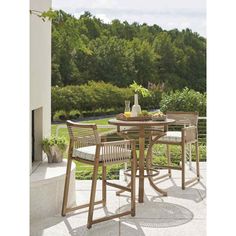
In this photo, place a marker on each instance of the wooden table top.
(140, 123)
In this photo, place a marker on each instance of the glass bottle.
(136, 109)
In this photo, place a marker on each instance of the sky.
(168, 14)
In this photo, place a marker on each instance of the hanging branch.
(44, 15)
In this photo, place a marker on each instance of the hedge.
(90, 97)
(184, 100)
(99, 98)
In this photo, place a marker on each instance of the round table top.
(140, 123)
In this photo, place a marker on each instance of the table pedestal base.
(152, 128)
(150, 176)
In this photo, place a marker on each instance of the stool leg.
(125, 168)
(168, 158)
(92, 195)
(66, 187)
(197, 160)
(133, 175)
(104, 186)
(183, 166)
(151, 155)
(190, 156)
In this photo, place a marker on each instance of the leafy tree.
(87, 49)
(142, 57)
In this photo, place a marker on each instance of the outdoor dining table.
(142, 127)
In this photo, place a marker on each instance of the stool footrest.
(118, 186)
(167, 167)
(111, 217)
(191, 181)
(162, 176)
(157, 172)
(82, 206)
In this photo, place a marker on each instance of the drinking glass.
(127, 108)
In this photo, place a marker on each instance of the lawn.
(63, 132)
(84, 171)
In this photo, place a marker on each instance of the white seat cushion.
(171, 136)
(88, 153)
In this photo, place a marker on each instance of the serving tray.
(163, 118)
(138, 118)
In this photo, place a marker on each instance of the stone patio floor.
(182, 212)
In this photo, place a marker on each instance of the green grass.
(64, 132)
(84, 171)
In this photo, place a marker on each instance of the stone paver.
(182, 212)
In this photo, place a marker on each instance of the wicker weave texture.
(189, 134)
(116, 152)
(183, 118)
(83, 136)
(109, 152)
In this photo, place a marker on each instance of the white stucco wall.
(40, 65)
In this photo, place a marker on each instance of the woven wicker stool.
(86, 147)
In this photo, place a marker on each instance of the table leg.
(149, 164)
(141, 164)
(124, 136)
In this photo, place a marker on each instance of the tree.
(142, 57)
(87, 49)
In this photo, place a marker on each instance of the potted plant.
(54, 147)
(138, 89)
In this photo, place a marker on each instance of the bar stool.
(187, 136)
(85, 146)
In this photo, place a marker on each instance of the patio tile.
(173, 185)
(182, 212)
(167, 207)
(73, 226)
(86, 185)
(173, 188)
(198, 209)
(176, 174)
(159, 210)
(191, 198)
(162, 227)
(82, 197)
(203, 165)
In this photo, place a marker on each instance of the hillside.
(87, 49)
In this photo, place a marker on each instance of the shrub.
(65, 98)
(52, 141)
(100, 112)
(89, 97)
(151, 102)
(87, 113)
(185, 100)
(74, 114)
(98, 98)
(60, 116)
(111, 111)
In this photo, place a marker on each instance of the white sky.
(168, 14)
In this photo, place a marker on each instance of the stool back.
(83, 135)
(183, 118)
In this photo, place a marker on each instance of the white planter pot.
(54, 154)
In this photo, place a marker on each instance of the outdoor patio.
(183, 212)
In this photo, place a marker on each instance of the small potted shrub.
(54, 147)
